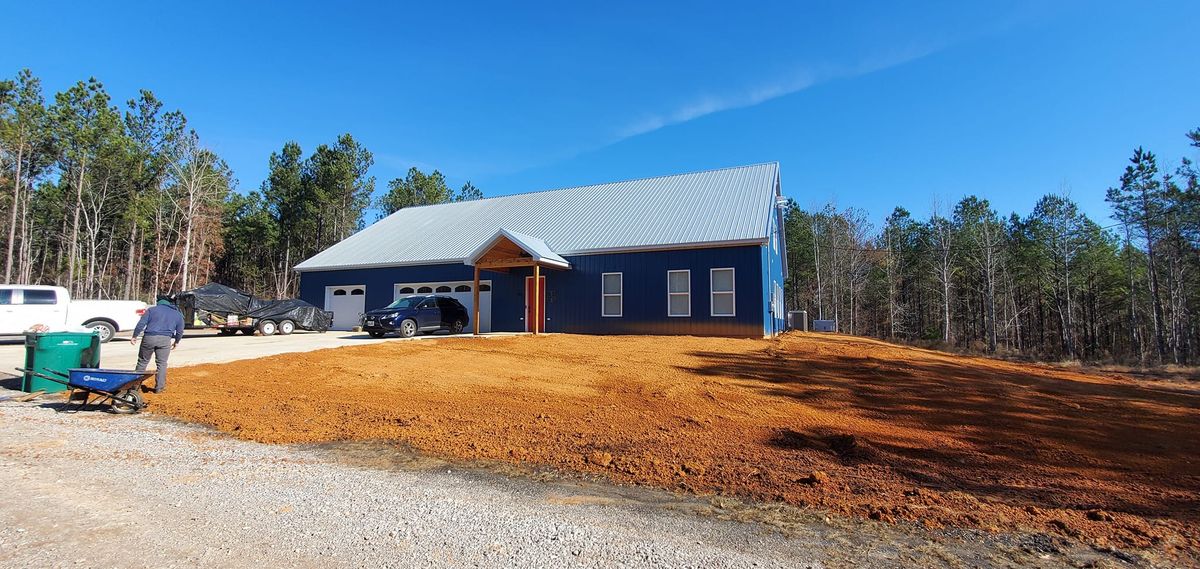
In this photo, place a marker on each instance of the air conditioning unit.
(824, 326)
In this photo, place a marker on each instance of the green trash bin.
(59, 351)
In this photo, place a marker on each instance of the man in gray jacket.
(163, 328)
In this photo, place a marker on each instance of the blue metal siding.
(573, 296)
(772, 275)
(380, 283)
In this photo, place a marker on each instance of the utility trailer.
(230, 311)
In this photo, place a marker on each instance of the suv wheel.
(457, 327)
(408, 328)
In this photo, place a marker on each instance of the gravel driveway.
(93, 489)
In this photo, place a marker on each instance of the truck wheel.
(106, 330)
(267, 328)
(408, 328)
(287, 327)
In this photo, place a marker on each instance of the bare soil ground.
(849, 425)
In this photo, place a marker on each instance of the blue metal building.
(699, 253)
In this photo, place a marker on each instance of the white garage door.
(458, 290)
(347, 303)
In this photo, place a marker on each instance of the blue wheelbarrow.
(121, 387)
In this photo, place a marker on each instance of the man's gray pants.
(160, 348)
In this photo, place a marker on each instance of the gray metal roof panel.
(713, 206)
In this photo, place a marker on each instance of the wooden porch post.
(537, 297)
(475, 303)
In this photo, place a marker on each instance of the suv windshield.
(410, 302)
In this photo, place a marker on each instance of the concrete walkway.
(206, 346)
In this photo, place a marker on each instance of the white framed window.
(612, 288)
(679, 293)
(722, 291)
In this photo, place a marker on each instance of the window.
(427, 303)
(424, 290)
(38, 296)
(611, 288)
(679, 293)
(339, 292)
(443, 288)
(6, 296)
(462, 288)
(406, 290)
(357, 292)
(722, 292)
(407, 302)
(485, 288)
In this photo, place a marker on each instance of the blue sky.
(869, 104)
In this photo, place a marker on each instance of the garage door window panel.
(722, 291)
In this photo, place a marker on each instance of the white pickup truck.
(24, 306)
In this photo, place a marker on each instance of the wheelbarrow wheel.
(128, 402)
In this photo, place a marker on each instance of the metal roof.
(725, 206)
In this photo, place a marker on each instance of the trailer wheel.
(267, 328)
(287, 327)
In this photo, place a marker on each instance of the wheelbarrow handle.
(44, 376)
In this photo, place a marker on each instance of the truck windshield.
(410, 302)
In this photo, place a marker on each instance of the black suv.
(421, 313)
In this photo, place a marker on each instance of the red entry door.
(541, 321)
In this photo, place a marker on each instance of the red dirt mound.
(851, 425)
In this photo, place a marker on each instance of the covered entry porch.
(508, 250)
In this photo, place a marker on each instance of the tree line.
(125, 201)
(1052, 284)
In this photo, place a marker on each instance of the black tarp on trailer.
(305, 315)
(215, 298)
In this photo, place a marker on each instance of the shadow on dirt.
(1023, 436)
